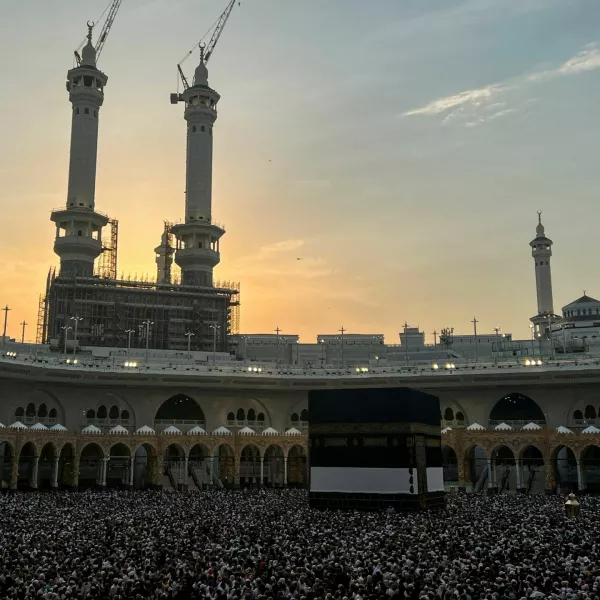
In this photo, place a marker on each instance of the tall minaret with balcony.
(541, 250)
(198, 237)
(78, 226)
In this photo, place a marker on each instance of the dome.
(38, 427)
(58, 427)
(18, 425)
(145, 430)
(446, 430)
(246, 431)
(591, 429)
(118, 430)
(196, 431)
(91, 429)
(293, 431)
(222, 431)
(171, 430)
(88, 54)
(270, 431)
(201, 74)
(503, 427)
(2, 426)
(475, 427)
(562, 429)
(530, 427)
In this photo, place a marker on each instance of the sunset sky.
(400, 148)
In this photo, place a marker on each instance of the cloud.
(479, 105)
(272, 250)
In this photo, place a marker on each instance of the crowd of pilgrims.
(268, 545)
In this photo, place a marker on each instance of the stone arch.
(274, 466)
(224, 464)
(504, 469)
(123, 405)
(90, 414)
(590, 468)
(46, 463)
(146, 473)
(118, 472)
(240, 416)
(450, 464)
(180, 410)
(199, 465)
(6, 457)
(174, 466)
(91, 464)
(589, 414)
(516, 409)
(68, 467)
(241, 412)
(251, 416)
(27, 456)
(42, 411)
(448, 414)
(113, 413)
(304, 416)
(476, 468)
(250, 465)
(578, 415)
(19, 413)
(297, 466)
(102, 412)
(30, 410)
(230, 418)
(534, 469)
(564, 465)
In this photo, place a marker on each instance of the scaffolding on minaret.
(107, 263)
(168, 251)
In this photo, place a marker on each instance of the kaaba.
(375, 448)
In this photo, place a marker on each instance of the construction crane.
(206, 50)
(113, 9)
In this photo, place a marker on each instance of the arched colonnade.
(536, 462)
(57, 461)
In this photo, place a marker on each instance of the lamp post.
(129, 333)
(497, 330)
(147, 323)
(532, 327)
(24, 324)
(189, 336)
(76, 320)
(475, 321)
(277, 331)
(406, 342)
(215, 328)
(342, 345)
(66, 328)
(5, 309)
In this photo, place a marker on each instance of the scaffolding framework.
(168, 251)
(107, 263)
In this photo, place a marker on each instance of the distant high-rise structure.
(78, 226)
(198, 237)
(541, 250)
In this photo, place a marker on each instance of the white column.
(104, 471)
(211, 466)
(518, 468)
(580, 476)
(490, 473)
(131, 464)
(262, 470)
(34, 474)
(55, 472)
(284, 471)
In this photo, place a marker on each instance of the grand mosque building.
(138, 384)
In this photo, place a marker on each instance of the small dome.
(58, 427)
(38, 427)
(270, 431)
(18, 425)
(91, 429)
(201, 74)
(563, 429)
(503, 427)
(591, 429)
(293, 431)
(475, 427)
(530, 427)
(88, 54)
(196, 431)
(2, 426)
(222, 431)
(118, 430)
(171, 430)
(145, 430)
(246, 431)
(446, 430)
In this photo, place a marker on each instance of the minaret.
(164, 259)
(198, 237)
(541, 250)
(78, 227)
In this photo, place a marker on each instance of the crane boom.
(110, 19)
(218, 30)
